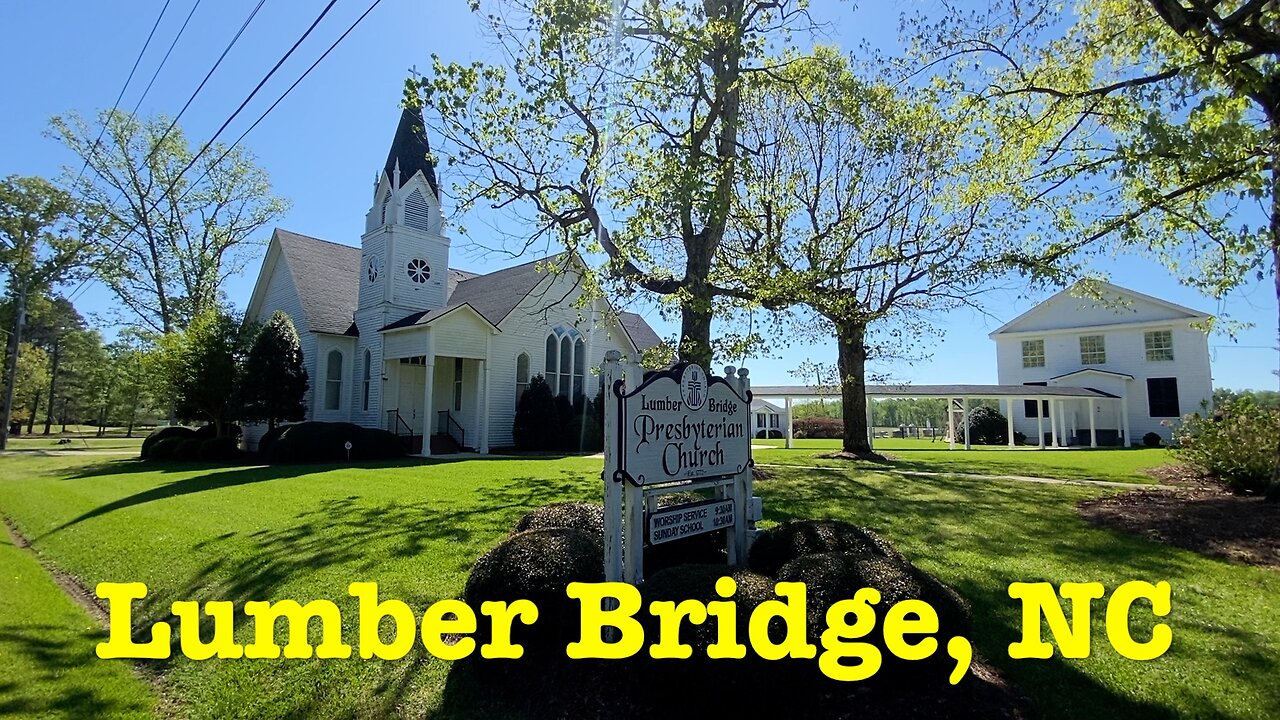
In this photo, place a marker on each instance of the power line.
(263, 116)
(128, 80)
(165, 59)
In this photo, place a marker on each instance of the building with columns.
(395, 338)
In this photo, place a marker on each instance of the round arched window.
(419, 270)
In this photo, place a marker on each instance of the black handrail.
(395, 421)
(447, 425)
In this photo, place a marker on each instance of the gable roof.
(757, 405)
(411, 150)
(327, 278)
(1096, 371)
(1108, 290)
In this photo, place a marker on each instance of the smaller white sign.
(684, 521)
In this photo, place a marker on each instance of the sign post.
(674, 430)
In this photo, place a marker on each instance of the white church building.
(395, 338)
(1150, 354)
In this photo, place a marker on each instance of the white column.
(1053, 422)
(429, 384)
(968, 442)
(1008, 416)
(787, 402)
(871, 425)
(1124, 418)
(951, 423)
(483, 377)
(1093, 424)
(1065, 438)
(1039, 422)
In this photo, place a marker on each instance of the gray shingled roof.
(638, 329)
(327, 276)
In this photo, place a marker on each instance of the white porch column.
(1093, 424)
(968, 441)
(951, 423)
(1124, 415)
(1053, 422)
(483, 377)
(1065, 439)
(429, 383)
(1008, 416)
(787, 402)
(1040, 422)
(871, 425)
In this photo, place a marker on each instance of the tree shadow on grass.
(57, 654)
(347, 539)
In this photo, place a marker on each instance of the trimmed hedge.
(583, 434)
(219, 450)
(1152, 440)
(780, 545)
(588, 517)
(269, 437)
(769, 435)
(538, 565)
(165, 448)
(188, 450)
(173, 431)
(204, 432)
(324, 442)
(818, 427)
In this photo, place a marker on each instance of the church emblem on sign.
(693, 387)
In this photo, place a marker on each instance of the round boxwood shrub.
(376, 444)
(538, 565)
(780, 545)
(585, 516)
(832, 577)
(987, 426)
(1152, 440)
(269, 437)
(188, 450)
(231, 430)
(219, 450)
(173, 431)
(166, 448)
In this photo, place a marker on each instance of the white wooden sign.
(683, 428)
(676, 430)
(682, 521)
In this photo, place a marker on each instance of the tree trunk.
(1273, 492)
(695, 333)
(852, 350)
(15, 344)
(35, 408)
(53, 385)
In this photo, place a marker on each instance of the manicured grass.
(1122, 465)
(306, 532)
(78, 442)
(46, 650)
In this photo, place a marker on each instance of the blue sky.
(325, 142)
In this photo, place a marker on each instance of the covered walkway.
(1055, 398)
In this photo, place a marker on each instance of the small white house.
(765, 416)
(393, 337)
(1152, 354)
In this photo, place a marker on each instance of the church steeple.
(409, 152)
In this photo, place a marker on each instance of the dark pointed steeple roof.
(411, 149)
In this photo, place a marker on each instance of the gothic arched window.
(522, 375)
(333, 381)
(364, 392)
(566, 362)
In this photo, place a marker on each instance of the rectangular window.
(1029, 407)
(1093, 350)
(457, 384)
(1162, 397)
(760, 420)
(1159, 344)
(1032, 353)
(773, 421)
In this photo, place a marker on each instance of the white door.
(412, 385)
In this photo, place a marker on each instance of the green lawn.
(46, 650)
(306, 532)
(1122, 465)
(78, 442)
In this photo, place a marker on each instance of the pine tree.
(275, 381)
